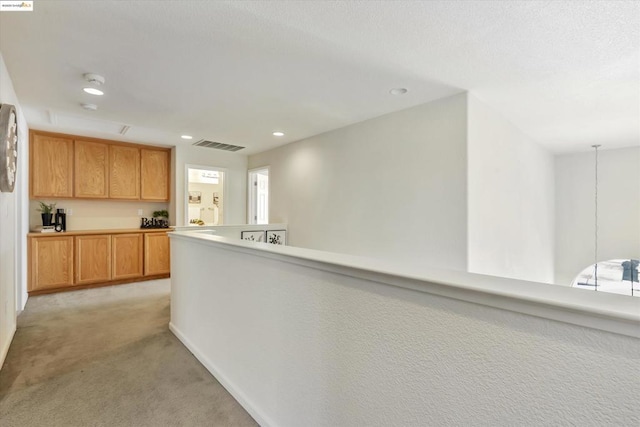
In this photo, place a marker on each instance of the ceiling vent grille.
(217, 145)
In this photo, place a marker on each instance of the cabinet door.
(50, 166)
(127, 255)
(156, 254)
(154, 168)
(124, 172)
(51, 262)
(91, 169)
(93, 259)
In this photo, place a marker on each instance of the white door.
(258, 196)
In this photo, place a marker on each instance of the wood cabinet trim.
(104, 231)
(93, 139)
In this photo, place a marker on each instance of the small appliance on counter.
(60, 220)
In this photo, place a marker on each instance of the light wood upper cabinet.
(51, 263)
(124, 172)
(154, 180)
(93, 259)
(127, 255)
(64, 166)
(51, 166)
(91, 169)
(156, 254)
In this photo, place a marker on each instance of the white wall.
(235, 167)
(13, 224)
(511, 199)
(618, 209)
(97, 214)
(392, 187)
(303, 346)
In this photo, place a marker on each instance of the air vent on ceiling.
(217, 145)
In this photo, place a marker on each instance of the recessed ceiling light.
(278, 134)
(93, 91)
(90, 107)
(398, 91)
(186, 137)
(94, 80)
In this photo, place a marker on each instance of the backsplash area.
(98, 214)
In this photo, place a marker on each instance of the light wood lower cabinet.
(127, 255)
(58, 262)
(51, 263)
(93, 259)
(156, 254)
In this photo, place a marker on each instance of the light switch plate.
(139, 212)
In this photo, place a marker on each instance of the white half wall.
(392, 187)
(235, 167)
(300, 342)
(13, 227)
(618, 209)
(511, 199)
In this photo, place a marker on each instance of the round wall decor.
(8, 147)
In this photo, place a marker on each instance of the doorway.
(258, 212)
(205, 195)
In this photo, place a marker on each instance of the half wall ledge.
(598, 310)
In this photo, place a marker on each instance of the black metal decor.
(154, 223)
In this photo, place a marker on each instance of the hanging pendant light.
(595, 254)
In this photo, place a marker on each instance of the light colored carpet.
(105, 357)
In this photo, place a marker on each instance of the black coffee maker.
(61, 220)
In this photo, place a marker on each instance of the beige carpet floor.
(105, 357)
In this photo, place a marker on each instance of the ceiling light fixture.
(90, 107)
(398, 91)
(278, 134)
(93, 91)
(186, 137)
(95, 80)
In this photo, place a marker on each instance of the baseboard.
(242, 399)
(5, 347)
(71, 288)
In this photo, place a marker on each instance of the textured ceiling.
(565, 73)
